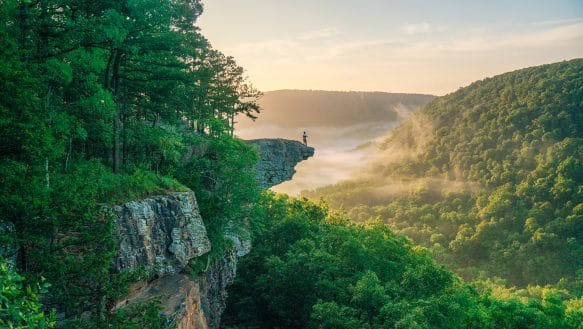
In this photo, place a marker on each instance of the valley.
(342, 126)
(137, 191)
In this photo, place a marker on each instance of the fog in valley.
(343, 127)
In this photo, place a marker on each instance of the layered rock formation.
(160, 234)
(180, 297)
(278, 158)
(213, 286)
(163, 233)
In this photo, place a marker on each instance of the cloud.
(416, 28)
(484, 43)
(328, 58)
(550, 38)
(562, 21)
(302, 49)
(320, 34)
(286, 46)
(267, 47)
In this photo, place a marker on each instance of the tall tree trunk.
(23, 27)
(116, 143)
(117, 123)
(125, 123)
(69, 153)
(47, 174)
(125, 142)
(106, 76)
(49, 124)
(232, 127)
(43, 32)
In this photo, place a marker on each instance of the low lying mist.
(413, 137)
(345, 141)
(394, 187)
(339, 151)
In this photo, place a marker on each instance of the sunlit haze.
(416, 46)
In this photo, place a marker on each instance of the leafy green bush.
(20, 306)
(222, 174)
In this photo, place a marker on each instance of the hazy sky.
(395, 46)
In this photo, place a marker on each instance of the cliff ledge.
(278, 158)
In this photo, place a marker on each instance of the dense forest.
(489, 177)
(102, 102)
(312, 268)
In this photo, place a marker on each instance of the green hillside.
(490, 177)
(311, 268)
(103, 102)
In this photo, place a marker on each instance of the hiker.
(305, 138)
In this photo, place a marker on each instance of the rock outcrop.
(163, 233)
(278, 158)
(213, 286)
(160, 234)
(180, 297)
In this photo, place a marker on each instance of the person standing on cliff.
(305, 136)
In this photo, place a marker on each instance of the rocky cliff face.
(163, 233)
(180, 296)
(160, 234)
(278, 158)
(213, 287)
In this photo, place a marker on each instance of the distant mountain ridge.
(294, 108)
(337, 122)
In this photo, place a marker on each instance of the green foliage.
(137, 316)
(65, 233)
(310, 269)
(140, 316)
(19, 304)
(102, 102)
(222, 173)
(488, 177)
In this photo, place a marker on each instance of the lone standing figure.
(305, 136)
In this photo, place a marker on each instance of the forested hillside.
(489, 177)
(102, 102)
(311, 268)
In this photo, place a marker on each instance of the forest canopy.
(312, 268)
(489, 177)
(102, 102)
